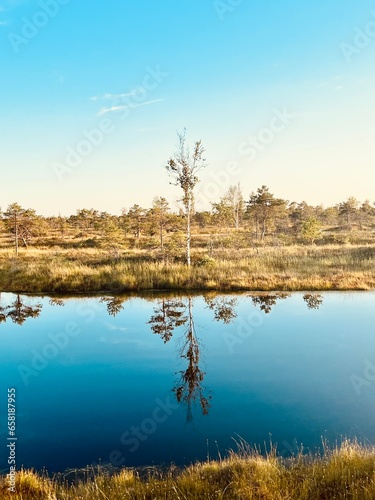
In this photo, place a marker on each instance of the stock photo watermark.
(76, 154)
(244, 330)
(92, 139)
(288, 449)
(132, 438)
(32, 26)
(366, 379)
(255, 144)
(11, 439)
(223, 8)
(58, 342)
(363, 37)
(248, 149)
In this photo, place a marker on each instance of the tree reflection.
(56, 302)
(168, 316)
(313, 300)
(114, 304)
(189, 388)
(171, 314)
(222, 307)
(266, 302)
(18, 311)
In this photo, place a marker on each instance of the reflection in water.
(18, 311)
(266, 302)
(171, 314)
(222, 307)
(114, 304)
(56, 302)
(135, 357)
(168, 316)
(190, 389)
(313, 300)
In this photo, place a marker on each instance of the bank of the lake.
(297, 268)
(345, 472)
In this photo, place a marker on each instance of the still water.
(154, 379)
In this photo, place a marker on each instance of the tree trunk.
(263, 233)
(188, 233)
(24, 239)
(16, 233)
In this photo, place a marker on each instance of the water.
(152, 380)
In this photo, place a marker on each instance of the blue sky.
(140, 71)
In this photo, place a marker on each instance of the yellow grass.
(347, 472)
(36, 270)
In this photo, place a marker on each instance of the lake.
(154, 379)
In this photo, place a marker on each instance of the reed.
(45, 270)
(345, 472)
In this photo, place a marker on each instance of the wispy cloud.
(146, 103)
(113, 109)
(333, 82)
(116, 328)
(113, 96)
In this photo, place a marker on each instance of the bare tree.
(235, 201)
(183, 168)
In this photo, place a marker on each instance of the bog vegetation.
(232, 223)
(347, 472)
(260, 243)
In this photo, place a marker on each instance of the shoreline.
(179, 291)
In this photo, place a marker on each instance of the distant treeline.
(261, 217)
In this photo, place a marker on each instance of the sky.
(92, 95)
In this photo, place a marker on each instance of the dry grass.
(92, 270)
(347, 472)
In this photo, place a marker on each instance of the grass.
(67, 270)
(346, 472)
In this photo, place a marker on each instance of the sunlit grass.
(287, 268)
(346, 472)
